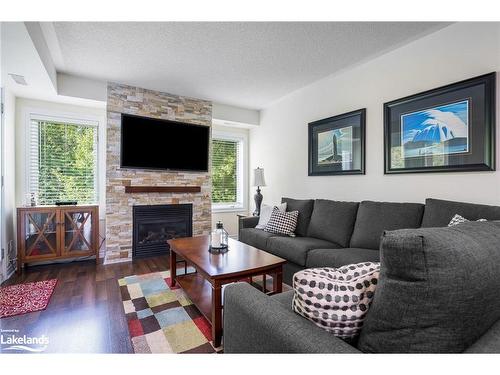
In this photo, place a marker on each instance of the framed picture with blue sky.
(448, 129)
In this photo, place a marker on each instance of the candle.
(216, 240)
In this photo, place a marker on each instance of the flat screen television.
(148, 143)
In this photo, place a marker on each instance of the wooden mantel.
(162, 189)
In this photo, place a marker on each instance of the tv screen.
(148, 143)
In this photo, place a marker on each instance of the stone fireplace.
(119, 203)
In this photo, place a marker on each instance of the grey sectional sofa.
(334, 233)
(433, 289)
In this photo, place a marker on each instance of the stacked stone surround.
(137, 101)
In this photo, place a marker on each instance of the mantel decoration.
(219, 239)
(258, 180)
(337, 144)
(448, 129)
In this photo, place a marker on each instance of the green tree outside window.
(67, 163)
(224, 171)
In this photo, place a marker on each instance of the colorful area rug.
(162, 319)
(25, 298)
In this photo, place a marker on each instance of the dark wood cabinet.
(52, 232)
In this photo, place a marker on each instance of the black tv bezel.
(122, 166)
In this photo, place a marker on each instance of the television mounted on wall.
(148, 143)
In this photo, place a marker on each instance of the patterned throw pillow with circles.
(282, 222)
(458, 219)
(336, 299)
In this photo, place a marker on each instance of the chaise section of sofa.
(434, 295)
(434, 290)
(257, 323)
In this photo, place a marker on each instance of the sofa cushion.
(294, 249)
(255, 237)
(333, 221)
(375, 217)
(436, 291)
(305, 208)
(339, 257)
(336, 299)
(438, 213)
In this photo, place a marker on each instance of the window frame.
(241, 172)
(69, 118)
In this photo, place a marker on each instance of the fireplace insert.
(155, 224)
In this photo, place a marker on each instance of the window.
(227, 172)
(62, 160)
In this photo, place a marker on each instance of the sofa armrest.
(256, 323)
(248, 221)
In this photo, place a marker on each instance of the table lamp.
(258, 180)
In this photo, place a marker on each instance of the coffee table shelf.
(199, 292)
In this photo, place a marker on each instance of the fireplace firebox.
(154, 225)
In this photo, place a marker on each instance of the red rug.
(25, 298)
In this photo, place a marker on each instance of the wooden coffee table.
(204, 287)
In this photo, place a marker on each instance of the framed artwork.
(337, 145)
(448, 129)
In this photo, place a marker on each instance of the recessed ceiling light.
(19, 79)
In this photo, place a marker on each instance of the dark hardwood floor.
(85, 313)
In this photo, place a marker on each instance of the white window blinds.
(226, 171)
(62, 160)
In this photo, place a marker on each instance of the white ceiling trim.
(35, 33)
(50, 36)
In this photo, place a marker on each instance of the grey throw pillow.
(434, 293)
(305, 208)
(333, 221)
(265, 214)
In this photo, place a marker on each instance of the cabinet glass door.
(40, 234)
(78, 236)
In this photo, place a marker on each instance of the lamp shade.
(258, 177)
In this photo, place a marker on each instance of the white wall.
(83, 88)
(236, 115)
(26, 106)
(8, 162)
(279, 144)
(9, 235)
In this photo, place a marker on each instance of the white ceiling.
(19, 56)
(249, 65)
